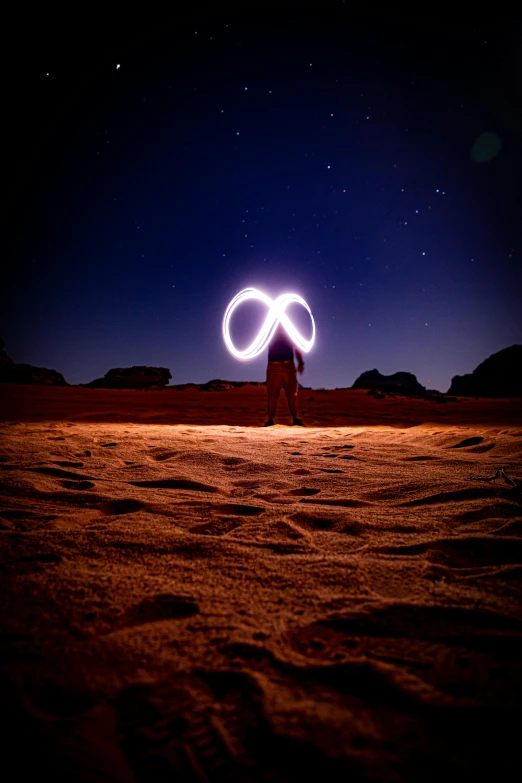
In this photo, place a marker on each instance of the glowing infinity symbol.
(276, 315)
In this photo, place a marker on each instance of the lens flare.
(276, 315)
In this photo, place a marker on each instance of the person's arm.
(300, 362)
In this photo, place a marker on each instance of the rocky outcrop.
(500, 375)
(398, 383)
(132, 378)
(10, 372)
(28, 374)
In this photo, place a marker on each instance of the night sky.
(366, 159)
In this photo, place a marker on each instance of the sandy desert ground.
(188, 596)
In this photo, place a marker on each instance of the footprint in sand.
(79, 485)
(240, 509)
(246, 484)
(475, 445)
(162, 454)
(164, 606)
(122, 506)
(446, 647)
(206, 726)
(232, 462)
(319, 522)
(464, 444)
(217, 527)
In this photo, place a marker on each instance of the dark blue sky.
(315, 148)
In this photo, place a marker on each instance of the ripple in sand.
(491, 511)
(463, 552)
(58, 472)
(342, 502)
(195, 486)
(473, 493)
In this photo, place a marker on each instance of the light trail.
(276, 315)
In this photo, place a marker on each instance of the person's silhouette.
(281, 371)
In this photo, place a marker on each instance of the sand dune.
(189, 596)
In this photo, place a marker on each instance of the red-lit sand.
(187, 596)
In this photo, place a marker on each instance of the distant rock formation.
(500, 375)
(398, 383)
(215, 385)
(10, 372)
(219, 385)
(183, 386)
(132, 378)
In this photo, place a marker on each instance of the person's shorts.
(281, 374)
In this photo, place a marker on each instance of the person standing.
(281, 371)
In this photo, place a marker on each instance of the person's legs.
(272, 405)
(290, 386)
(273, 387)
